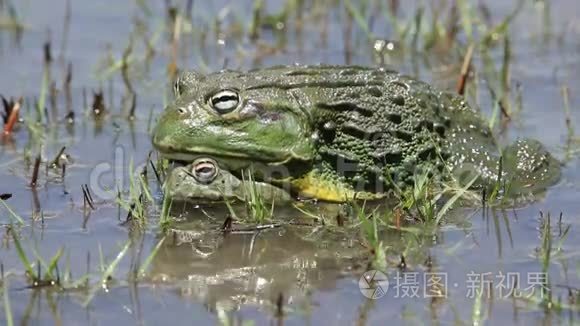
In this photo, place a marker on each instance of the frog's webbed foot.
(529, 167)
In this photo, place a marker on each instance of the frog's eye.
(204, 170)
(225, 101)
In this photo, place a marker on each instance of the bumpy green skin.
(181, 185)
(368, 129)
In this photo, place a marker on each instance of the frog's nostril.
(180, 110)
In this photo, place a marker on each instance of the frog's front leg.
(526, 167)
(529, 167)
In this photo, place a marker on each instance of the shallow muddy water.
(284, 274)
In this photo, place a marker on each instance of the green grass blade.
(7, 308)
(164, 218)
(145, 189)
(502, 27)
(476, 314)
(149, 258)
(466, 19)
(358, 17)
(460, 193)
(52, 265)
(42, 99)
(22, 254)
(107, 273)
(12, 213)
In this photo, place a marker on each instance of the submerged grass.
(53, 278)
(477, 314)
(107, 273)
(545, 257)
(545, 295)
(257, 209)
(7, 308)
(430, 199)
(51, 275)
(370, 229)
(22, 255)
(566, 103)
(15, 217)
(165, 219)
(138, 196)
(149, 259)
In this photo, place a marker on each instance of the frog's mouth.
(229, 161)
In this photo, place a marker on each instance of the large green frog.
(340, 132)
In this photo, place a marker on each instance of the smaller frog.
(203, 180)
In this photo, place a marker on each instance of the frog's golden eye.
(225, 101)
(204, 170)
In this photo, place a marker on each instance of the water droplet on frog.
(329, 126)
(354, 115)
(315, 136)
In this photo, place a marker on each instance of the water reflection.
(255, 267)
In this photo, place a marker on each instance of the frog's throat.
(312, 185)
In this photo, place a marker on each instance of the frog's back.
(374, 127)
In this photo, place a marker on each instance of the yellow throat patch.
(315, 185)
